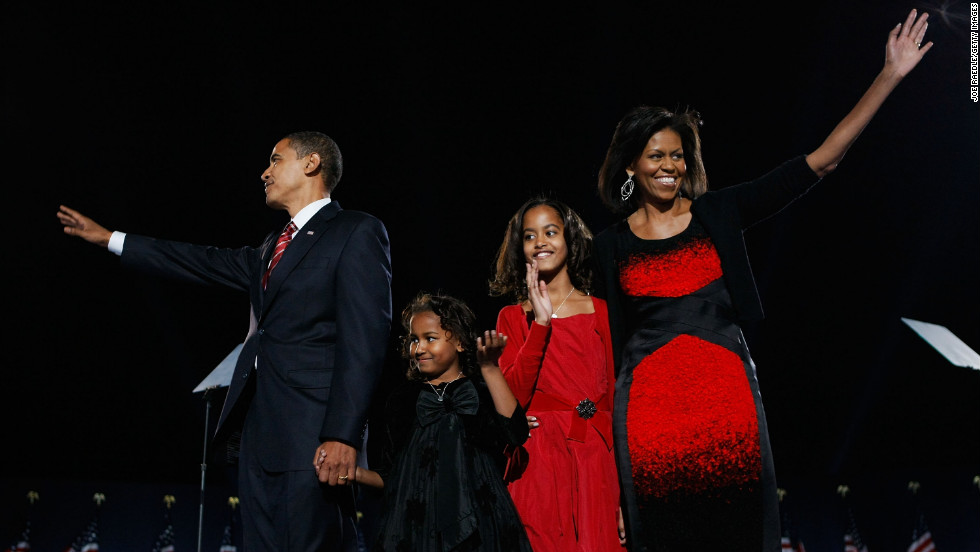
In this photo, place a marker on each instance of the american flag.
(786, 545)
(23, 544)
(88, 541)
(165, 542)
(228, 540)
(786, 541)
(852, 539)
(921, 537)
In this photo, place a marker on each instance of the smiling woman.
(695, 462)
(660, 169)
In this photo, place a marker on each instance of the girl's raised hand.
(489, 348)
(537, 295)
(905, 48)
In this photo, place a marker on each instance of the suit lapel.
(302, 242)
(256, 293)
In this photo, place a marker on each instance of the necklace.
(440, 396)
(555, 314)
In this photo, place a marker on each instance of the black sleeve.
(765, 196)
(513, 430)
(607, 288)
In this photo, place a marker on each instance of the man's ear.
(312, 163)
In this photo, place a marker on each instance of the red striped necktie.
(284, 239)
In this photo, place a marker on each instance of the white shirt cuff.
(116, 242)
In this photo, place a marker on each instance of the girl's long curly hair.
(458, 321)
(510, 276)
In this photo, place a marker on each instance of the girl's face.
(544, 240)
(435, 352)
(660, 169)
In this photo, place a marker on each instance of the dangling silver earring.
(627, 190)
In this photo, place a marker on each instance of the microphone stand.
(219, 377)
(204, 463)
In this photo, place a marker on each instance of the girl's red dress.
(566, 489)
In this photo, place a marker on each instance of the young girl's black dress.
(443, 471)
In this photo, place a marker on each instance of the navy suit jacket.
(318, 334)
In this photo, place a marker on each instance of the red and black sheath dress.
(688, 408)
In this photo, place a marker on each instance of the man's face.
(285, 178)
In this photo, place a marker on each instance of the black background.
(158, 119)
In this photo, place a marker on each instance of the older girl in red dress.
(558, 362)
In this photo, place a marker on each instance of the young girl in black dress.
(445, 432)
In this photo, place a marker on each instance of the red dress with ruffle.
(688, 407)
(566, 489)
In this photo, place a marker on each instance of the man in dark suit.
(320, 321)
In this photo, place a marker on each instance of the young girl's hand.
(537, 294)
(489, 348)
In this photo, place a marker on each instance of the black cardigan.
(724, 214)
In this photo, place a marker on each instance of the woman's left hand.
(905, 48)
(532, 422)
(621, 527)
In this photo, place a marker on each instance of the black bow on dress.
(463, 400)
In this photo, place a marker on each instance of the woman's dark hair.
(630, 139)
(510, 279)
(455, 317)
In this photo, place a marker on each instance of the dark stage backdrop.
(158, 119)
